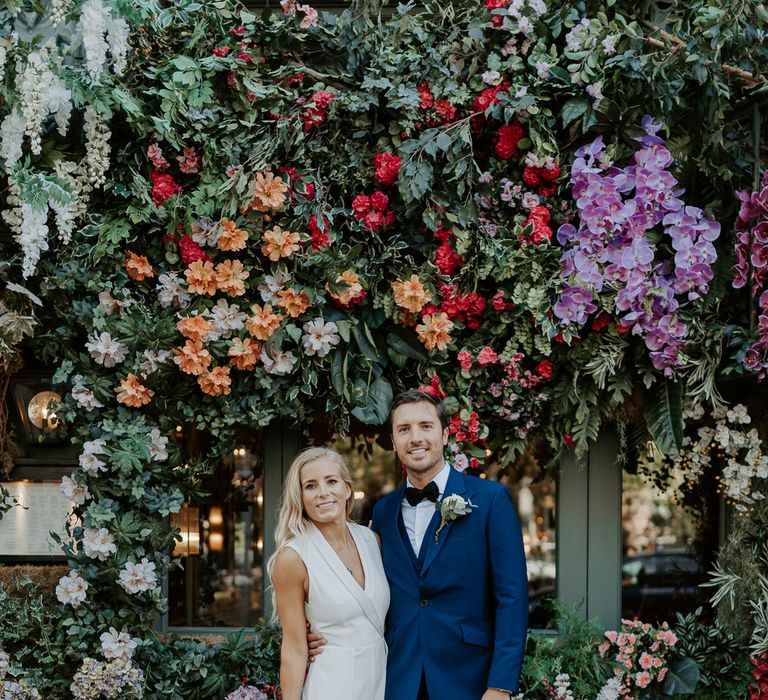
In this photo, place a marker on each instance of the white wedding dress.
(354, 660)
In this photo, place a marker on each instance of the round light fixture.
(40, 413)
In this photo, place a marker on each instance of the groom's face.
(418, 438)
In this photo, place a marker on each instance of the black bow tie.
(415, 496)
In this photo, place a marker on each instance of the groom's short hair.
(417, 396)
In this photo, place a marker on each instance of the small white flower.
(452, 508)
(460, 462)
(84, 396)
(153, 359)
(98, 544)
(72, 589)
(170, 291)
(226, 319)
(77, 493)
(278, 362)
(117, 645)
(158, 444)
(609, 44)
(137, 578)
(272, 285)
(105, 350)
(542, 69)
(595, 91)
(525, 25)
(319, 337)
(89, 461)
(491, 77)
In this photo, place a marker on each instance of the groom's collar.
(441, 478)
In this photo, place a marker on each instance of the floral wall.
(551, 214)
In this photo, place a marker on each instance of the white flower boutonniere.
(451, 508)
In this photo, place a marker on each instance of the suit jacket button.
(424, 603)
(418, 567)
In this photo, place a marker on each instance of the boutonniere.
(451, 508)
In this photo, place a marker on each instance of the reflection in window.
(221, 584)
(663, 552)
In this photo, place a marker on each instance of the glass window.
(222, 582)
(666, 547)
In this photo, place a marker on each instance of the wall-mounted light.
(188, 521)
(216, 541)
(40, 411)
(215, 516)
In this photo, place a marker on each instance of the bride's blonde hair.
(292, 520)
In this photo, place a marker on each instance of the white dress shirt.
(416, 518)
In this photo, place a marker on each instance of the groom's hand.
(315, 643)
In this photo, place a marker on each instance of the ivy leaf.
(664, 417)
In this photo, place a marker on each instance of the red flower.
(446, 110)
(373, 220)
(237, 31)
(601, 321)
(497, 20)
(547, 190)
(474, 462)
(386, 167)
(319, 236)
(550, 173)
(540, 214)
(495, 4)
(465, 360)
(447, 260)
(507, 139)
(221, 51)
(322, 98)
(544, 369)
(487, 357)
(499, 304)
(531, 177)
(426, 98)
(434, 388)
(379, 201)
(361, 205)
(568, 439)
(190, 250)
(163, 187)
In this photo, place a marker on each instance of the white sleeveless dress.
(354, 660)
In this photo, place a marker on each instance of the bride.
(327, 571)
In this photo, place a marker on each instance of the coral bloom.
(201, 278)
(244, 353)
(268, 193)
(277, 243)
(216, 382)
(231, 238)
(230, 277)
(348, 289)
(194, 327)
(263, 323)
(435, 330)
(132, 392)
(410, 294)
(193, 358)
(137, 266)
(294, 303)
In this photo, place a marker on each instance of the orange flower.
(132, 392)
(279, 244)
(263, 323)
(434, 332)
(231, 237)
(411, 294)
(244, 353)
(201, 278)
(194, 327)
(350, 287)
(231, 277)
(268, 193)
(137, 266)
(193, 358)
(216, 382)
(293, 303)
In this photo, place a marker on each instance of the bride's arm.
(289, 577)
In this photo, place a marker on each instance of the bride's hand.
(315, 643)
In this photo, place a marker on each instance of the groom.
(457, 621)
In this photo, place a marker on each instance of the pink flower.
(643, 679)
(465, 360)
(310, 16)
(661, 674)
(155, 155)
(603, 648)
(646, 660)
(487, 357)
(189, 161)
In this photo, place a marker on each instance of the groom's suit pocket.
(479, 636)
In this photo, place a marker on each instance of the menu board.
(25, 529)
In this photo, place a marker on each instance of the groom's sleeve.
(509, 582)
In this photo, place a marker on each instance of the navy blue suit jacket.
(458, 611)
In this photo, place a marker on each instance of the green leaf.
(682, 678)
(378, 401)
(399, 343)
(573, 109)
(664, 416)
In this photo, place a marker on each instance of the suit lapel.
(456, 484)
(403, 546)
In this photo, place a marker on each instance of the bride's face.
(324, 493)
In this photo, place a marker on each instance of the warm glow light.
(39, 410)
(188, 521)
(359, 495)
(215, 516)
(216, 541)
(260, 499)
